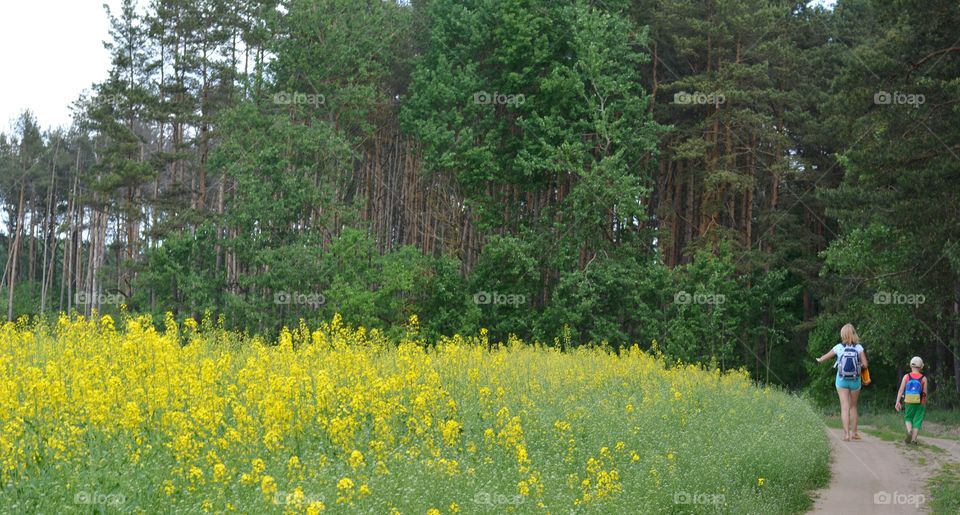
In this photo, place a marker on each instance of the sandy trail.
(876, 476)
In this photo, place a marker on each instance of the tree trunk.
(47, 230)
(15, 253)
(956, 334)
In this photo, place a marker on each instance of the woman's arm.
(863, 360)
(826, 356)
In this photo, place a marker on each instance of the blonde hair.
(848, 334)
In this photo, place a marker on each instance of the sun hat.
(916, 362)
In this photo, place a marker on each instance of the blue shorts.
(850, 384)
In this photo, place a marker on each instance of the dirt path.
(951, 446)
(876, 476)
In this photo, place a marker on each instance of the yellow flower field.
(193, 418)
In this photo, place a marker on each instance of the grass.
(884, 433)
(945, 489)
(937, 423)
(344, 420)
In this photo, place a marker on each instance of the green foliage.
(230, 160)
(522, 94)
(180, 276)
(892, 270)
(504, 285)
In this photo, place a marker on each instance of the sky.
(50, 50)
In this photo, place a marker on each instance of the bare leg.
(844, 395)
(914, 434)
(909, 437)
(854, 395)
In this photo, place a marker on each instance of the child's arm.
(903, 386)
(924, 389)
(826, 356)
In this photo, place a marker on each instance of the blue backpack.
(848, 367)
(913, 393)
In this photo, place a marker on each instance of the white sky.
(50, 50)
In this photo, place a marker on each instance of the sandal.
(856, 436)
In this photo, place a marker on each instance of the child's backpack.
(849, 364)
(913, 393)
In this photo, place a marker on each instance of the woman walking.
(851, 360)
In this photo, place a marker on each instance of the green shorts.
(913, 413)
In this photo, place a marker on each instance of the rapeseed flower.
(213, 420)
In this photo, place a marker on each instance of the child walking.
(913, 391)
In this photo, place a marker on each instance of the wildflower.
(293, 465)
(356, 460)
(345, 490)
(522, 457)
(268, 485)
(523, 488)
(210, 407)
(451, 430)
(219, 472)
(296, 498)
